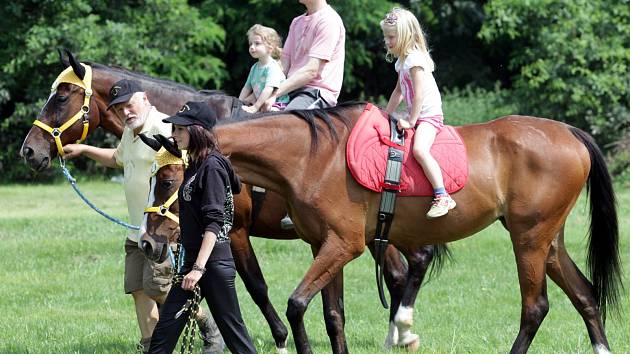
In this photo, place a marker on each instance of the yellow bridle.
(69, 76)
(163, 158)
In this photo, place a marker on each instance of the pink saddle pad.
(367, 148)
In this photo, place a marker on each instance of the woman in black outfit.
(206, 210)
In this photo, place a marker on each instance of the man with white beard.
(147, 281)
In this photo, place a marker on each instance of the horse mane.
(163, 84)
(339, 112)
(310, 116)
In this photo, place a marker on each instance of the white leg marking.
(392, 337)
(404, 315)
(404, 321)
(600, 349)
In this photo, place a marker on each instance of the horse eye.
(62, 99)
(167, 184)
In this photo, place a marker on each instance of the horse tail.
(441, 254)
(603, 251)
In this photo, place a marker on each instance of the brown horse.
(39, 149)
(526, 172)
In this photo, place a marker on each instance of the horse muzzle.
(36, 156)
(36, 164)
(154, 250)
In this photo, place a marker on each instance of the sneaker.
(212, 341)
(286, 223)
(440, 206)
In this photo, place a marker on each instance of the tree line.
(567, 60)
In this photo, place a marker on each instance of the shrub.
(475, 105)
(571, 59)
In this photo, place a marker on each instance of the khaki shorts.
(143, 274)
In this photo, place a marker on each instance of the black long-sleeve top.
(206, 204)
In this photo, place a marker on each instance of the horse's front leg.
(249, 271)
(419, 261)
(329, 261)
(395, 275)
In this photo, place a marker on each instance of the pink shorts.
(280, 106)
(436, 121)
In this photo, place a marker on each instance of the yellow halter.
(164, 158)
(69, 76)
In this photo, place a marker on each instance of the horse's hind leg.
(249, 271)
(566, 274)
(531, 248)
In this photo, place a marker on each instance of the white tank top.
(431, 99)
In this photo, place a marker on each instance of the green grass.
(62, 267)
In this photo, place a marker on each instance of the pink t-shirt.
(323, 36)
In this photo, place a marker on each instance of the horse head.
(161, 224)
(73, 110)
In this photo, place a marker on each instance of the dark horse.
(526, 172)
(39, 149)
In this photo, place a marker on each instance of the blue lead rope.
(73, 183)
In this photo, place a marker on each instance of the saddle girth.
(391, 187)
(258, 197)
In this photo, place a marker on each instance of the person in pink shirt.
(312, 58)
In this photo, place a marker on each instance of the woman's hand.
(404, 124)
(191, 279)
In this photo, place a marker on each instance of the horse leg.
(331, 257)
(249, 271)
(531, 249)
(564, 272)
(419, 261)
(395, 275)
(332, 303)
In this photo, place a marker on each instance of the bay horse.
(39, 148)
(526, 172)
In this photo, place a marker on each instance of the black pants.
(217, 287)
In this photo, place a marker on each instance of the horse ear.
(152, 143)
(63, 59)
(168, 145)
(76, 66)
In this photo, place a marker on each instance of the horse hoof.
(411, 343)
(413, 346)
(282, 350)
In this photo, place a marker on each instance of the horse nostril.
(146, 247)
(27, 152)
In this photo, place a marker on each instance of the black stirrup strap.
(391, 186)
